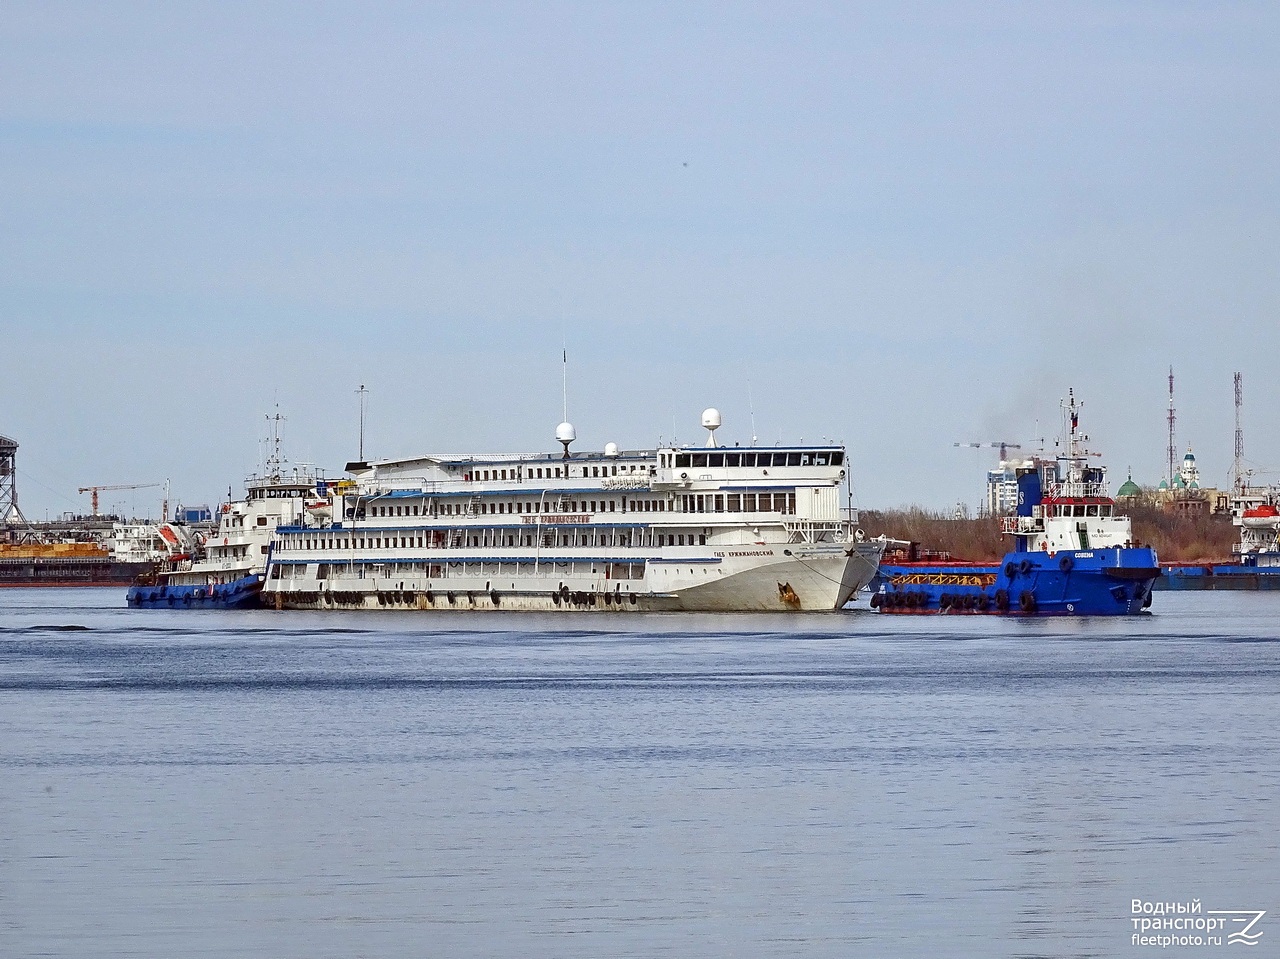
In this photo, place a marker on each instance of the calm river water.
(386, 784)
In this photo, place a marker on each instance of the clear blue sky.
(898, 225)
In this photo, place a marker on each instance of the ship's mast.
(1238, 469)
(362, 391)
(1071, 415)
(1173, 448)
(274, 460)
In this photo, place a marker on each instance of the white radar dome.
(610, 449)
(565, 433)
(711, 423)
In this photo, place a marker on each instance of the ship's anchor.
(788, 595)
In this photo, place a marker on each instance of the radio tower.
(1239, 464)
(1173, 449)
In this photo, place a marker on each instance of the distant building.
(1186, 495)
(1129, 491)
(1002, 490)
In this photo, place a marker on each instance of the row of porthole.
(409, 597)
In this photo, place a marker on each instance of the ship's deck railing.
(1021, 525)
(1075, 490)
(811, 531)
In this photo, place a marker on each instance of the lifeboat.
(320, 509)
(1265, 516)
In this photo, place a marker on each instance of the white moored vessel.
(673, 528)
(227, 568)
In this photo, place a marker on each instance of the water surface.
(204, 783)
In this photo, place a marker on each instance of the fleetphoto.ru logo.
(1167, 924)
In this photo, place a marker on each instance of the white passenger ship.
(675, 528)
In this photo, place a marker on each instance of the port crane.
(96, 489)
(994, 444)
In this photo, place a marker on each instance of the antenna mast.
(361, 392)
(1239, 464)
(273, 461)
(564, 381)
(1173, 449)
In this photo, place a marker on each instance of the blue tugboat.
(1073, 554)
(229, 567)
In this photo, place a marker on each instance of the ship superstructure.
(1256, 510)
(1073, 554)
(1063, 503)
(670, 528)
(228, 567)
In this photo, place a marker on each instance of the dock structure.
(10, 514)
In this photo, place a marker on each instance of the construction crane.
(96, 489)
(995, 444)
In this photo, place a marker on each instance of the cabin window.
(806, 459)
(715, 459)
(699, 460)
(819, 459)
(719, 503)
(735, 503)
(1091, 510)
(732, 459)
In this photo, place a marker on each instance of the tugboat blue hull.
(1096, 582)
(244, 593)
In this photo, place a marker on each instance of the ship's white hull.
(774, 579)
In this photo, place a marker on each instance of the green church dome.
(1129, 488)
